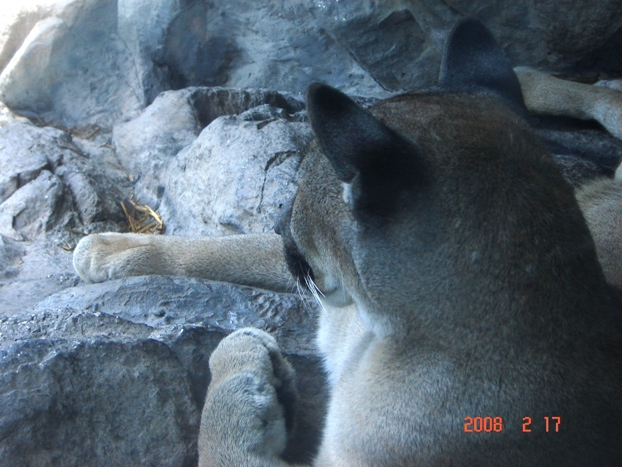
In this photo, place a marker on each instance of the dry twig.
(142, 218)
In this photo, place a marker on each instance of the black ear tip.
(469, 26)
(469, 31)
(318, 92)
(316, 87)
(327, 101)
(322, 95)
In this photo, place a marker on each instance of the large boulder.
(78, 62)
(116, 373)
(209, 170)
(72, 68)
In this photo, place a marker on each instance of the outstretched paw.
(250, 404)
(545, 94)
(102, 257)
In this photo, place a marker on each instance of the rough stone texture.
(50, 158)
(129, 51)
(162, 144)
(116, 373)
(74, 403)
(66, 57)
(78, 62)
(532, 33)
(51, 184)
(240, 194)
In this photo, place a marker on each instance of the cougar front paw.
(250, 404)
(102, 257)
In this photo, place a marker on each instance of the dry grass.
(142, 218)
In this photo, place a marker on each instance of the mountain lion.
(465, 317)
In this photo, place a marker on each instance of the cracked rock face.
(117, 372)
(242, 166)
(79, 62)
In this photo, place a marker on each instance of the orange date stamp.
(495, 424)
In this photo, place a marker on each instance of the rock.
(31, 271)
(243, 171)
(67, 402)
(32, 210)
(118, 372)
(10, 254)
(64, 59)
(400, 43)
(52, 186)
(150, 47)
(16, 21)
(258, 44)
(149, 142)
(58, 67)
(29, 152)
(20, 165)
(163, 302)
(7, 117)
(234, 176)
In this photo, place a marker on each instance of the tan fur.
(247, 372)
(545, 94)
(601, 204)
(601, 200)
(254, 260)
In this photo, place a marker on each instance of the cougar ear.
(473, 61)
(377, 162)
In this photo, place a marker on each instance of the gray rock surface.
(542, 34)
(242, 166)
(78, 62)
(52, 187)
(240, 194)
(67, 56)
(68, 402)
(129, 51)
(116, 373)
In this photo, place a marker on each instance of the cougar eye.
(283, 218)
(295, 260)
